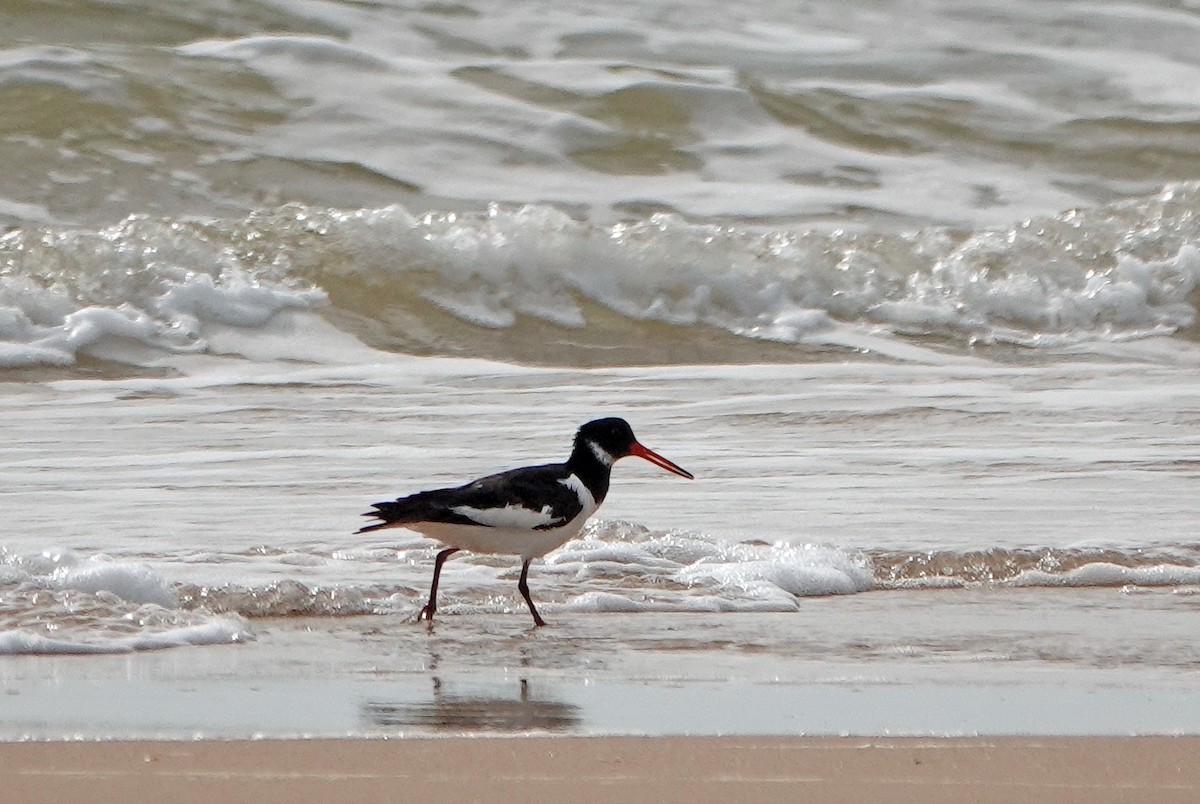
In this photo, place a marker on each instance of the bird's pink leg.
(523, 585)
(426, 612)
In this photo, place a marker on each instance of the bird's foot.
(426, 613)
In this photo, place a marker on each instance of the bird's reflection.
(476, 712)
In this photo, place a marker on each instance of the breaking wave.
(1046, 567)
(58, 602)
(533, 284)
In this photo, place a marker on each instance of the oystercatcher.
(527, 512)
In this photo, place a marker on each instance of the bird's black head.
(611, 439)
(612, 436)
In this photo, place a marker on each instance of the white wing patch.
(581, 491)
(510, 516)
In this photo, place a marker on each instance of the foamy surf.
(620, 567)
(59, 603)
(1178, 567)
(613, 566)
(694, 572)
(217, 631)
(533, 284)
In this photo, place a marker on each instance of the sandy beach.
(350, 723)
(1162, 769)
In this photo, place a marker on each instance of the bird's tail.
(375, 526)
(391, 514)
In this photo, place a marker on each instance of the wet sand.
(1028, 662)
(698, 769)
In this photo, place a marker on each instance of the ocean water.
(911, 287)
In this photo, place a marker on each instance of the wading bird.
(527, 512)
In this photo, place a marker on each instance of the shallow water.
(237, 492)
(864, 665)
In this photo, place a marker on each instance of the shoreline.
(779, 675)
(501, 769)
(859, 665)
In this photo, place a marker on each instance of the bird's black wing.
(533, 497)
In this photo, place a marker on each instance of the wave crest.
(1078, 567)
(535, 284)
(59, 603)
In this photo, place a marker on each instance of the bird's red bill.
(658, 460)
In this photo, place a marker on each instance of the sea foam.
(215, 631)
(1112, 274)
(56, 602)
(132, 583)
(695, 572)
(1106, 574)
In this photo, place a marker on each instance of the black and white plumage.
(526, 512)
